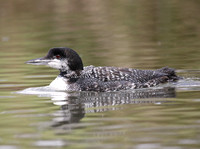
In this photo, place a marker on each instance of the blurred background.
(143, 34)
(127, 33)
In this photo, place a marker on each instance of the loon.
(74, 77)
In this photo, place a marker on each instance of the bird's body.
(74, 77)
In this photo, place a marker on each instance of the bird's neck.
(69, 74)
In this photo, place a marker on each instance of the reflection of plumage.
(74, 77)
(76, 104)
(98, 99)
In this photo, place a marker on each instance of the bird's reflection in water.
(75, 105)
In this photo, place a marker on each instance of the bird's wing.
(107, 74)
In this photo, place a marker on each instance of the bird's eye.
(57, 56)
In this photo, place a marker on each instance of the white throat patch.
(58, 64)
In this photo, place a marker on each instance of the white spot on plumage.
(60, 83)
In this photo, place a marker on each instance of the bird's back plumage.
(115, 78)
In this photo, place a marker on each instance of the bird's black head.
(66, 54)
(61, 58)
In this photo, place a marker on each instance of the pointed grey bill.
(38, 61)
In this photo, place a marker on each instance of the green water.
(139, 34)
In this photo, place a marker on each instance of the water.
(137, 34)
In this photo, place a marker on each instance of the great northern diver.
(74, 77)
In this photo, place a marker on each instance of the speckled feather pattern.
(114, 78)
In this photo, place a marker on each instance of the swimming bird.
(75, 77)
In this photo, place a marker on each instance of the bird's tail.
(170, 73)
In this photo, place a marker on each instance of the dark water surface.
(139, 34)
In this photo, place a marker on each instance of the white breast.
(59, 83)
